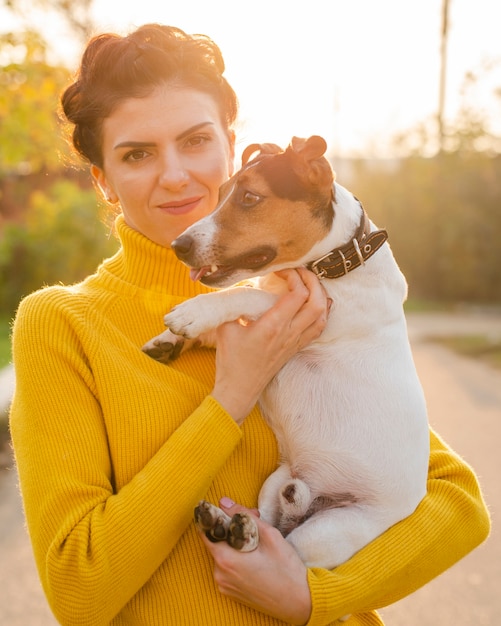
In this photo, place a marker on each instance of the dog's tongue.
(199, 272)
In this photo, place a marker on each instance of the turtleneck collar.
(143, 264)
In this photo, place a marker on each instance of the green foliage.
(30, 139)
(444, 221)
(5, 349)
(51, 232)
(62, 240)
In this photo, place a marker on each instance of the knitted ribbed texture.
(114, 450)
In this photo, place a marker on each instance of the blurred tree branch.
(76, 13)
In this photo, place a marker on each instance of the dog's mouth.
(250, 262)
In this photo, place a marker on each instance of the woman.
(114, 450)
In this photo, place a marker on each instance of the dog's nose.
(182, 246)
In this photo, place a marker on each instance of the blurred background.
(408, 97)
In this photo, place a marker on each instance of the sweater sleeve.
(450, 521)
(92, 543)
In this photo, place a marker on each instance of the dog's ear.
(312, 148)
(308, 160)
(262, 148)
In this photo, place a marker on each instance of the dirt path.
(22, 602)
(464, 400)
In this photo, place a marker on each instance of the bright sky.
(353, 71)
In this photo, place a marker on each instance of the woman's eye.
(250, 199)
(135, 155)
(197, 140)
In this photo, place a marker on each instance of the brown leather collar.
(342, 260)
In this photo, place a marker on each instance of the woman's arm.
(451, 521)
(272, 578)
(92, 542)
(248, 357)
(96, 545)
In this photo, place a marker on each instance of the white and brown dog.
(348, 411)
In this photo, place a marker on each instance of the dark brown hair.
(114, 68)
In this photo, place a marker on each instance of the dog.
(348, 411)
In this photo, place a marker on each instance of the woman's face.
(164, 159)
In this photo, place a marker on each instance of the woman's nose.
(173, 174)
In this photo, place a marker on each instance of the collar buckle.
(340, 261)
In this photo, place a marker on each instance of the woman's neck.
(147, 265)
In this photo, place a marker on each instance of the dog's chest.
(296, 402)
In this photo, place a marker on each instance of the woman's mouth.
(180, 207)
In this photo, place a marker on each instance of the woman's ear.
(100, 180)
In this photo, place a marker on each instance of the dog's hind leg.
(283, 498)
(240, 531)
(296, 501)
(331, 536)
(212, 520)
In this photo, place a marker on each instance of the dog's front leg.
(196, 316)
(167, 346)
(194, 321)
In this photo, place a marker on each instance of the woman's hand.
(271, 579)
(248, 356)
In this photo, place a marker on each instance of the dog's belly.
(367, 440)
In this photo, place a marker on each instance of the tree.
(443, 219)
(30, 137)
(61, 239)
(32, 147)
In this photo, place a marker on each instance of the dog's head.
(270, 214)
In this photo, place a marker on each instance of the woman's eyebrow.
(149, 144)
(134, 144)
(193, 129)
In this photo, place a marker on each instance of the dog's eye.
(250, 199)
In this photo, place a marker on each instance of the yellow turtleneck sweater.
(114, 450)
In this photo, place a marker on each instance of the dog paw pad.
(164, 352)
(243, 533)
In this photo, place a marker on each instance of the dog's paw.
(182, 320)
(243, 534)
(164, 348)
(239, 531)
(212, 520)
